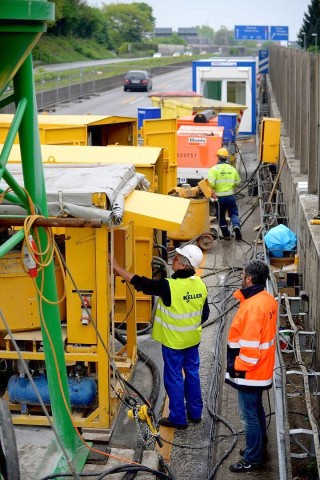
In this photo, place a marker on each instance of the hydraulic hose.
(138, 453)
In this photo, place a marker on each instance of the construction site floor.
(206, 450)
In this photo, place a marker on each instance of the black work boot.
(225, 233)
(237, 233)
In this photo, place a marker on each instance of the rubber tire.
(9, 460)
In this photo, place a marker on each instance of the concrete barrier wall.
(301, 208)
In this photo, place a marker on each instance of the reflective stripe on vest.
(175, 327)
(179, 326)
(223, 176)
(250, 383)
(252, 344)
(251, 360)
(178, 316)
(225, 194)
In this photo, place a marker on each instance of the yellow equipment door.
(270, 140)
(163, 133)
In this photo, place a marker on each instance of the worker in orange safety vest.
(251, 358)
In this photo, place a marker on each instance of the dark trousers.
(253, 418)
(228, 205)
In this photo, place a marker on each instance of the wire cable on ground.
(215, 384)
(110, 471)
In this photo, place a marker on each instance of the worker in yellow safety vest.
(180, 312)
(223, 179)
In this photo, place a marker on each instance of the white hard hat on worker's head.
(192, 253)
(223, 153)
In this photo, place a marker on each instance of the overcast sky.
(215, 13)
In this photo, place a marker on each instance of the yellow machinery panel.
(17, 288)
(94, 130)
(133, 250)
(67, 136)
(143, 245)
(80, 248)
(123, 246)
(163, 133)
(269, 149)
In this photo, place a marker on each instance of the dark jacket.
(161, 288)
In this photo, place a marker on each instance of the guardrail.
(76, 87)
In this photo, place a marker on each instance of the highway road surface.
(118, 102)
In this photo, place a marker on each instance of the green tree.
(310, 25)
(67, 15)
(174, 39)
(206, 32)
(75, 18)
(128, 22)
(224, 37)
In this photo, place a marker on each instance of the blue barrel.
(229, 122)
(148, 113)
(82, 391)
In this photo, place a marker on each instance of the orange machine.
(197, 147)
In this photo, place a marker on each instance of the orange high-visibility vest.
(253, 336)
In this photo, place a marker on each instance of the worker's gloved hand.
(214, 197)
(233, 372)
(236, 374)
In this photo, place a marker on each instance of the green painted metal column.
(21, 24)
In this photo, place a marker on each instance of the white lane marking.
(128, 100)
(165, 85)
(138, 100)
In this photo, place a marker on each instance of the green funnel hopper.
(21, 24)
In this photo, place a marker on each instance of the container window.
(236, 92)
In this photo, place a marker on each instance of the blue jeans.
(184, 392)
(228, 204)
(253, 418)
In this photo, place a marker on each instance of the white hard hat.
(192, 253)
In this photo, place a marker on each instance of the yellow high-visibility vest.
(223, 178)
(179, 326)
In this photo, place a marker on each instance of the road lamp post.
(304, 41)
(315, 35)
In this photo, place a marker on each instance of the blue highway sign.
(251, 32)
(279, 33)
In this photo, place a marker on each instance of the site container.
(94, 130)
(229, 80)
